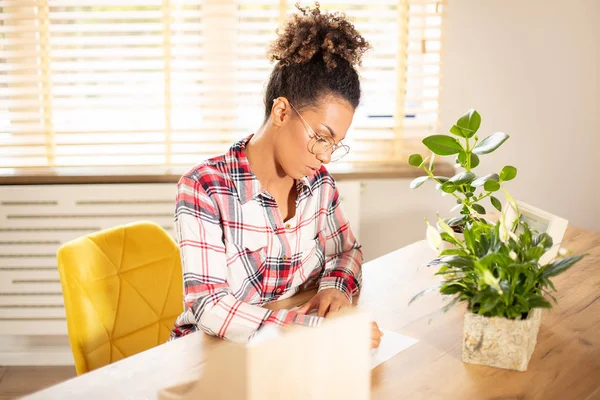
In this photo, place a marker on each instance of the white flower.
(492, 281)
(512, 255)
(445, 227)
(433, 237)
(511, 201)
(504, 231)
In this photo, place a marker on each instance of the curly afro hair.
(317, 54)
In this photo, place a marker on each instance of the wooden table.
(565, 364)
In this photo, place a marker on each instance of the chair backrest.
(122, 289)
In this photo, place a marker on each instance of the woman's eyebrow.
(330, 130)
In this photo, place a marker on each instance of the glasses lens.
(321, 146)
(339, 153)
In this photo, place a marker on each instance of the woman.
(264, 220)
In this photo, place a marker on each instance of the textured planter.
(500, 342)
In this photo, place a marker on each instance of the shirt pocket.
(246, 263)
(252, 245)
(313, 255)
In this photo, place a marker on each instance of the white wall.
(532, 69)
(392, 215)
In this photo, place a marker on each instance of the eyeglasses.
(323, 144)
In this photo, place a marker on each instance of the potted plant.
(494, 268)
(468, 189)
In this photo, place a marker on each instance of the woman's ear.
(279, 111)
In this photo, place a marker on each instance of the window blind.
(142, 84)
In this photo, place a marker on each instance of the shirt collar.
(246, 183)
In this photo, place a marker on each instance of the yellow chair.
(122, 289)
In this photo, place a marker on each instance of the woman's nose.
(325, 158)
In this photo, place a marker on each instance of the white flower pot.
(500, 342)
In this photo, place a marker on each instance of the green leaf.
(448, 238)
(560, 266)
(543, 239)
(469, 123)
(455, 221)
(508, 173)
(457, 131)
(441, 178)
(431, 289)
(525, 237)
(449, 252)
(442, 145)
(488, 304)
(478, 208)
(415, 160)
(451, 289)
(481, 181)
(448, 187)
(496, 203)
(539, 302)
(491, 186)
(457, 261)
(469, 239)
(418, 181)
(552, 297)
(462, 178)
(444, 269)
(490, 143)
(450, 304)
(534, 253)
(462, 159)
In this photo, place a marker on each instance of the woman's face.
(310, 129)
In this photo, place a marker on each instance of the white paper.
(391, 344)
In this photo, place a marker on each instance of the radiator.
(35, 220)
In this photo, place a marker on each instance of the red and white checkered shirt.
(238, 254)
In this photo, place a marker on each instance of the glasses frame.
(332, 145)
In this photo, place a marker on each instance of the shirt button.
(284, 258)
(287, 226)
(278, 290)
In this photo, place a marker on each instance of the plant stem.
(484, 196)
(468, 156)
(428, 172)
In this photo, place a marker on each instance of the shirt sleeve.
(342, 252)
(204, 265)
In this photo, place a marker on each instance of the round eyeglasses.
(320, 144)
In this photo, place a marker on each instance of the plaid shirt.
(238, 254)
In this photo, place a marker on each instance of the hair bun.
(311, 32)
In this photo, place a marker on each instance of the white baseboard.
(35, 350)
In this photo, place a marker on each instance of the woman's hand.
(330, 301)
(376, 335)
(326, 301)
